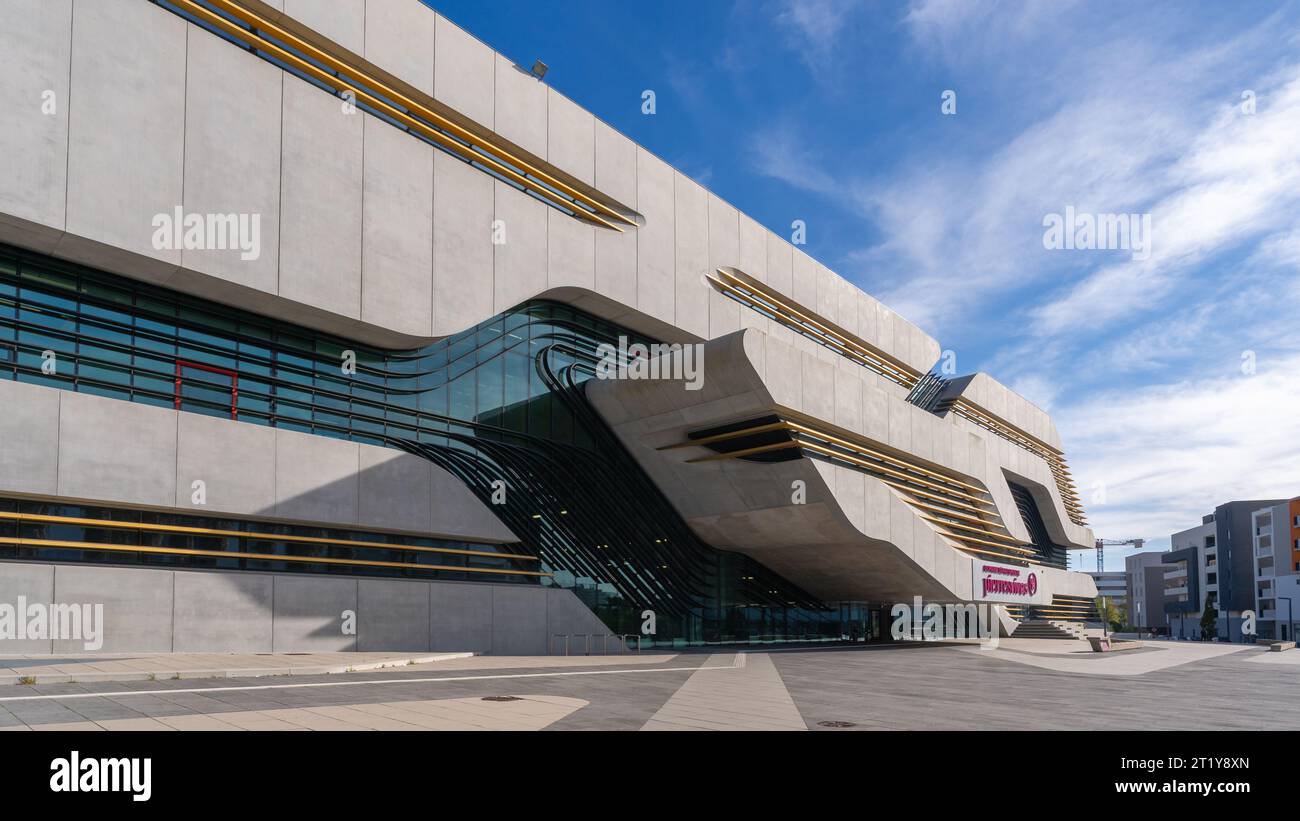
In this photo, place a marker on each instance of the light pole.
(1289, 613)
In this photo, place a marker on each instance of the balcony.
(1176, 591)
(1180, 573)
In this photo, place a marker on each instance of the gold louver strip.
(228, 554)
(247, 534)
(336, 68)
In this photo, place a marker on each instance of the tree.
(1210, 620)
(1110, 614)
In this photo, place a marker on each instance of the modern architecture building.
(1145, 576)
(325, 326)
(1113, 586)
(1214, 562)
(1275, 531)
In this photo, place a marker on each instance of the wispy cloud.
(1164, 455)
(815, 29)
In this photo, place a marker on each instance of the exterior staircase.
(1044, 629)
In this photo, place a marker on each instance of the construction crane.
(1101, 549)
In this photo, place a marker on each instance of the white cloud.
(814, 28)
(1167, 454)
(779, 153)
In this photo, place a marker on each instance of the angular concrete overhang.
(855, 536)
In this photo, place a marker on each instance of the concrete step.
(1040, 629)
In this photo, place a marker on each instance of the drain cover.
(836, 724)
(502, 698)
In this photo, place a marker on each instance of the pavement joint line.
(735, 665)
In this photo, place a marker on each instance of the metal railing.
(590, 640)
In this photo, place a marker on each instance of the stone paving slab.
(740, 692)
(527, 713)
(45, 669)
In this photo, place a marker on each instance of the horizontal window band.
(434, 126)
(250, 535)
(263, 557)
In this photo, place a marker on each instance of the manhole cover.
(836, 724)
(502, 698)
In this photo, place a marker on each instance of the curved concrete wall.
(62, 445)
(854, 537)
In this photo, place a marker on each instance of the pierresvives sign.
(1009, 584)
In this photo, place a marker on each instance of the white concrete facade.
(371, 234)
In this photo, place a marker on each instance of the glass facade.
(500, 405)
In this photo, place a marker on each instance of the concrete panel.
(136, 464)
(392, 615)
(232, 155)
(780, 264)
(828, 298)
(457, 512)
(868, 319)
(34, 59)
(400, 37)
(784, 367)
(753, 248)
(117, 186)
(394, 490)
(818, 388)
(309, 614)
(464, 72)
(875, 413)
(656, 240)
(518, 620)
(320, 240)
(565, 613)
(316, 478)
(136, 601)
(570, 251)
(804, 274)
(615, 164)
(519, 263)
(460, 617)
(615, 265)
(692, 258)
(848, 396)
(35, 583)
(234, 460)
(343, 21)
(222, 612)
(397, 242)
(463, 208)
(724, 251)
(520, 107)
(29, 438)
(570, 143)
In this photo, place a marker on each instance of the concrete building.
(325, 326)
(1275, 531)
(1145, 576)
(1214, 561)
(1113, 585)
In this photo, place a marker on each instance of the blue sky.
(1174, 380)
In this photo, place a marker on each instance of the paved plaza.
(1023, 684)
